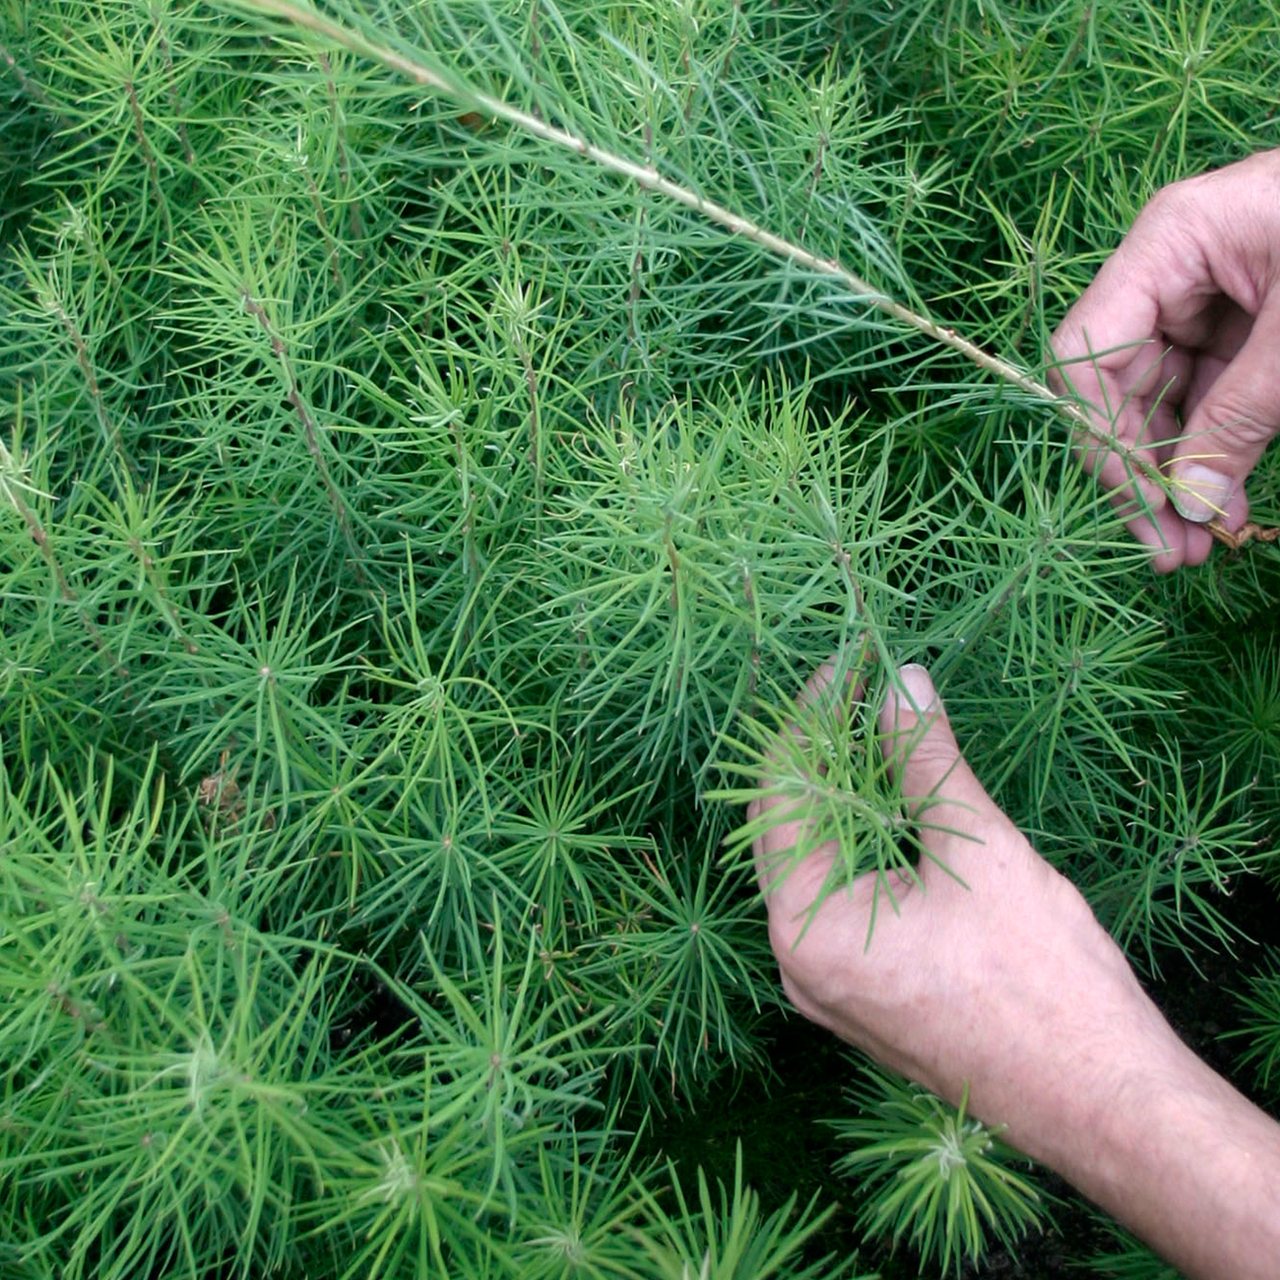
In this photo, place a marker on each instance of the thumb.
(1229, 428)
(942, 795)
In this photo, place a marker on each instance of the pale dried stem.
(649, 178)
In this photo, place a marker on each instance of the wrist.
(1180, 1157)
(1119, 1115)
(1090, 1113)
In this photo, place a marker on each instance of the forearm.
(1183, 1160)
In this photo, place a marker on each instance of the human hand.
(1178, 336)
(1005, 982)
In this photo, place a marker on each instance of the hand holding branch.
(992, 972)
(1177, 341)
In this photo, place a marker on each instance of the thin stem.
(344, 158)
(633, 294)
(1086, 19)
(29, 86)
(309, 428)
(33, 89)
(674, 561)
(648, 178)
(322, 222)
(535, 431)
(188, 154)
(344, 161)
(38, 535)
(470, 554)
(153, 576)
(135, 110)
(110, 429)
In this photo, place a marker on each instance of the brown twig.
(1245, 534)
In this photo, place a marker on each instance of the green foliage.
(932, 1176)
(1126, 1258)
(725, 1236)
(415, 527)
(1260, 1002)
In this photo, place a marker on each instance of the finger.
(1231, 424)
(1164, 534)
(1175, 542)
(1131, 396)
(1109, 344)
(942, 795)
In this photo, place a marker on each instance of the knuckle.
(1066, 344)
(1173, 201)
(935, 762)
(1234, 418)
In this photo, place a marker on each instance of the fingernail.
(918, 694)
(1200, 494)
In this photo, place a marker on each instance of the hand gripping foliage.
(436, 440)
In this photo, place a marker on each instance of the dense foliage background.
(411, 531)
